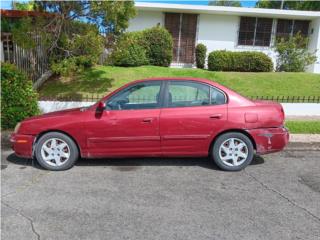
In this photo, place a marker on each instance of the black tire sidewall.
(220, 140)
(74, 153)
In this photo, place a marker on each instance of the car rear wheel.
(56, 151)
(232, 151)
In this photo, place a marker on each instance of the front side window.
(190, 94)
(255, 31)
(139, 96)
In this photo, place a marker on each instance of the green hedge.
(18, 99)
(239, 61)
(128, 51)
(201, 52)
(152, 46)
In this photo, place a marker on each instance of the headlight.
(16, 129)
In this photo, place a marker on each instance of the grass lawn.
(103, 79)
(303, 126)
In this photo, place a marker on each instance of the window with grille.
(255, 31)
(287, 28)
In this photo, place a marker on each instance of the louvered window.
(255, 31)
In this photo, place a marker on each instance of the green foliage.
(151, 46)
(289, 5)
(128, 51)
(312, 127)
(201, 52)
(158, 43)
(239, 61)
(18, 99)
(25, 6)
(225, 3)
(72, 65)
(293, 54)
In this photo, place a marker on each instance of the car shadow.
(128, 164)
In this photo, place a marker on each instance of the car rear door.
(193, 112)
(130, 124)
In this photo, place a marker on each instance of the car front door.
(130, 124)
(193, 112)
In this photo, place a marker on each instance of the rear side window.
(217, 97)
(189, 94)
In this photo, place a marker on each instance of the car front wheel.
(232, 151)
(56, 151)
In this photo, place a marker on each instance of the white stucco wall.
(315, 44)
(145, 19)
(220, 32)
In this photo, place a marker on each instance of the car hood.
(55, 114)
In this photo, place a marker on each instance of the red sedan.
(163, 117)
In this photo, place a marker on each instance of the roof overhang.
(237, 11)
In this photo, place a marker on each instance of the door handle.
(216, 116)
(147, 120)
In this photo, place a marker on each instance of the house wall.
(145, 19)
(314, 44)
(220, 32)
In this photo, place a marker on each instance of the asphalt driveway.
(276, 197)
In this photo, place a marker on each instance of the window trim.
(166, 94)
(161, 96)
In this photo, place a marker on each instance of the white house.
(229, 28)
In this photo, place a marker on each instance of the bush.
(239, 61)
(18, 99)
(201, 52)
(72, 65)
(293, 55)
(151, 46)
(128, 51)
(158, 43)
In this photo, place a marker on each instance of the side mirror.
(101, 106)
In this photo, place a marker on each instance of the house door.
(183, 29)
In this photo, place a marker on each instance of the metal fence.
(34, 62)
(96, 97)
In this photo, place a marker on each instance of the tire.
(232, 157)
(56, 151)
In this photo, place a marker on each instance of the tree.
(26, 6)
(70, 29)
(293, 54)
(289, 5)
(225, 3)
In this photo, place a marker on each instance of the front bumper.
(269, 140)
(22, 144)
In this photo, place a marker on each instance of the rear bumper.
(22, 144)
(270, 140)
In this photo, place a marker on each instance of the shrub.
(18, 99)
(239, 61)
(201, 52)
(293, 55)
(128, 51)
(158, 43)
(72, 65)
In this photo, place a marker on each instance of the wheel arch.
(229, 131)
(55, 130)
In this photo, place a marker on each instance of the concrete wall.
(315, 44)
(220, 32)
(290, 109)
(145, 20)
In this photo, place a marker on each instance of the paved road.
(277, 197)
